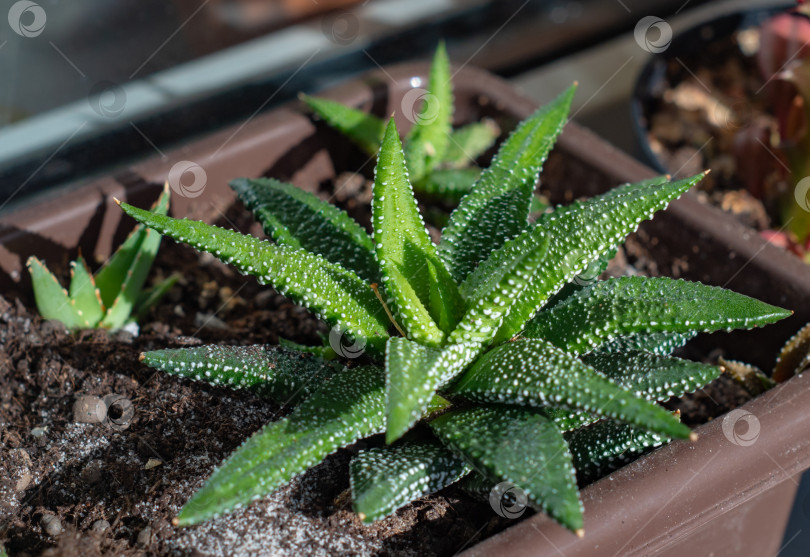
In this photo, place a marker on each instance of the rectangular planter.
(709, 497)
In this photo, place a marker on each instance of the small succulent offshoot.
(502, 367)
(440, 160)
(114, 296)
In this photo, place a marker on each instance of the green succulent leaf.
(604, 446)
(519, 446)
(661, 343)
(346, 408)
(84, 295)
(653, 377)
(336, 295)
(282, 374)
(749, 377)
(470, 142)
(403, 244)
(450, 184)
(298, 219)
(363, 129)
(493, 287)
(52, 300)
(414, 372)
(427, 140)
(151, 297)
(387, 478)
(575, 242)
(112, 275)
(497, 207)
(126, 301)
(532, 372)
(446, 302)
(628, 305)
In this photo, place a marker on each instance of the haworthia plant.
(441, 161)
(503, 383)
(115, 295)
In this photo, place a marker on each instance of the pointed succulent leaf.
(298, 219)
(52, 300)
(402, 243)
(334, 294)
(450, 184)
(497, 282)
(446, 302)
(414, 372)
(344, 409)
(427, 140)
(363, 129)
(325, 351)
(110, 278)
(470, 142)
(653, 377)
(519, 446)
(794, 357)
(649, 376)
(628, 305)
(497, 207)
(384, 479)
(579, 235)
(532, 372)
(151, 297)
(84, 295)
(751, 378)
(603, 447)
(661, 343)
(125, 302)
(282, 374)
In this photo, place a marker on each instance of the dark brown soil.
(136, 479)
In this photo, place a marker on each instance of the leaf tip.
(117, 201)
(141, 356)
(693, 436)
(175, 521)
(580, 533)
(361, 516)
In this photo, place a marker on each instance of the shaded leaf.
(532, 372)
(298, 219)
(518, 446)
(386, 478)
(653, 377)
(605, 446)
(451, 184)
(470, 142)
(661, 343)
(628, 305)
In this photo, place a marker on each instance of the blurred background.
(91, 86)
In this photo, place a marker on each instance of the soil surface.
(70, 488)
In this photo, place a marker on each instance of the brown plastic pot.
(711, 497)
